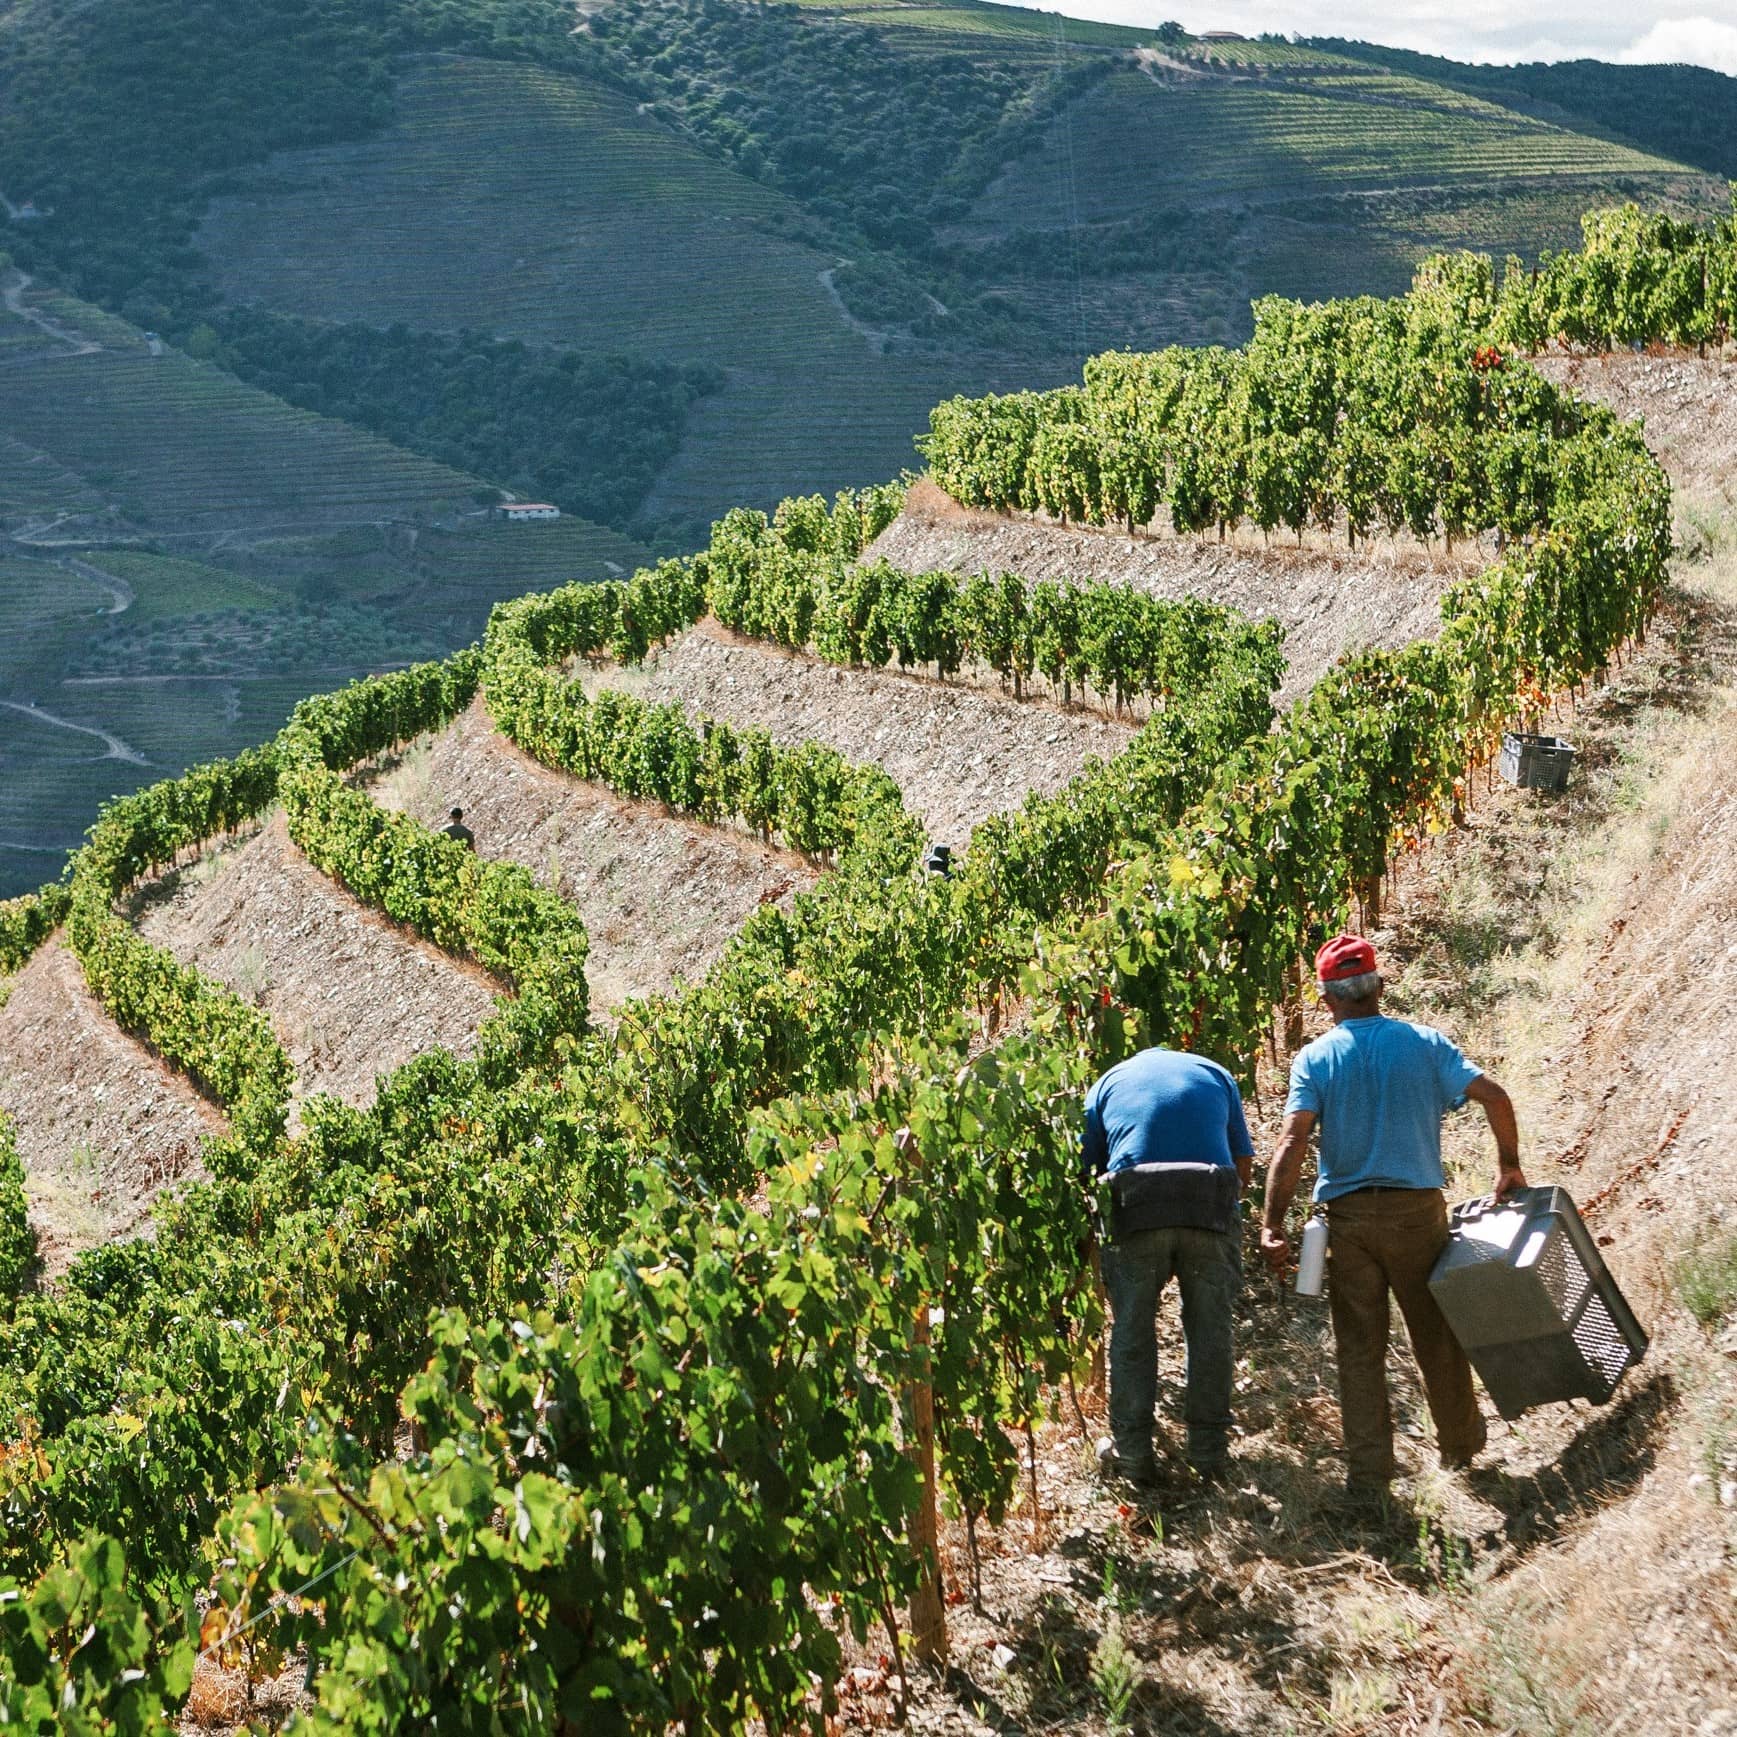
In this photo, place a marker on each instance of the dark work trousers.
(1382, 1240)
(1207, 1265)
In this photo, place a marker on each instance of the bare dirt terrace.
(1329, 598)
(958, 752)
(661, 895)
(351, 995)
(102, 1124)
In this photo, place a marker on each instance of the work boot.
(1113, 1468)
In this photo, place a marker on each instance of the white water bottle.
(1312, 1258)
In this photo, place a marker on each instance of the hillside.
(699, 1306)
(728, 252)
(185, 555)
(584, 224)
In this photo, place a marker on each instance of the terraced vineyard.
(739, 1244)
(350, 996)
(958, 752)
(185, 448)
(660, 894)
(1276, 139)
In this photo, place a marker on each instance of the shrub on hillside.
(17, 1239)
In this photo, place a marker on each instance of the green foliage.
(1638, 277)
(120, 130)
(1707, 1281)
(829, 110)
(1366, 413)
(767, 1353)
(589, 433)
(17, 1238)
(26, 922)
(85, 1653)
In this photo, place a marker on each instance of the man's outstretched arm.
(1282, 1179)
(1498, 1110)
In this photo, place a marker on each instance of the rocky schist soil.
(661, 895)
(959, 751)
(102, 1124)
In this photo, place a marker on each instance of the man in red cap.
(1378, 1089)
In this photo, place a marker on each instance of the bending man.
(1167, 1128)
(1378, 1088)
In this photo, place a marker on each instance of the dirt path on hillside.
(114, 747)
(661, 895)
(1688, 404)
(1330, 600)
(957, 752)
(16, 289)
(103, 1125)
(351, 995)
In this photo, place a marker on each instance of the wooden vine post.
(928, 1607)
(1098, 1382)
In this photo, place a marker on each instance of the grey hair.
(1358, 988)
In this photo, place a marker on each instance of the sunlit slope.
(541, 207)
(1327, 176)
(946, 28)
(180, 445)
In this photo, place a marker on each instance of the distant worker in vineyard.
(456, 828)
(1378, 1089)
(1167, 1130)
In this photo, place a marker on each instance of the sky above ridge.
(1702, 32)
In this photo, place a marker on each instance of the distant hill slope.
(182, 556)
(1685, 112)
(740, 249)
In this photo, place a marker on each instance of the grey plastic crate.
(1535, 762)
(1529, 1297)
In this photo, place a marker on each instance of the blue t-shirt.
(1164, 1106)
(1380, 1088)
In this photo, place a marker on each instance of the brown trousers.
(1381, 1242)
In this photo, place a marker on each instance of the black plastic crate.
(1527, 1294)
(1535, 762)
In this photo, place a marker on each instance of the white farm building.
(520, 511)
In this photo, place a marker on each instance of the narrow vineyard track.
(103, 1125)
(661, 895)
(957, 752)
(1687, 403)
(351, 995)
(1329, 599)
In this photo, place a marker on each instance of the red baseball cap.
(1344, 956)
